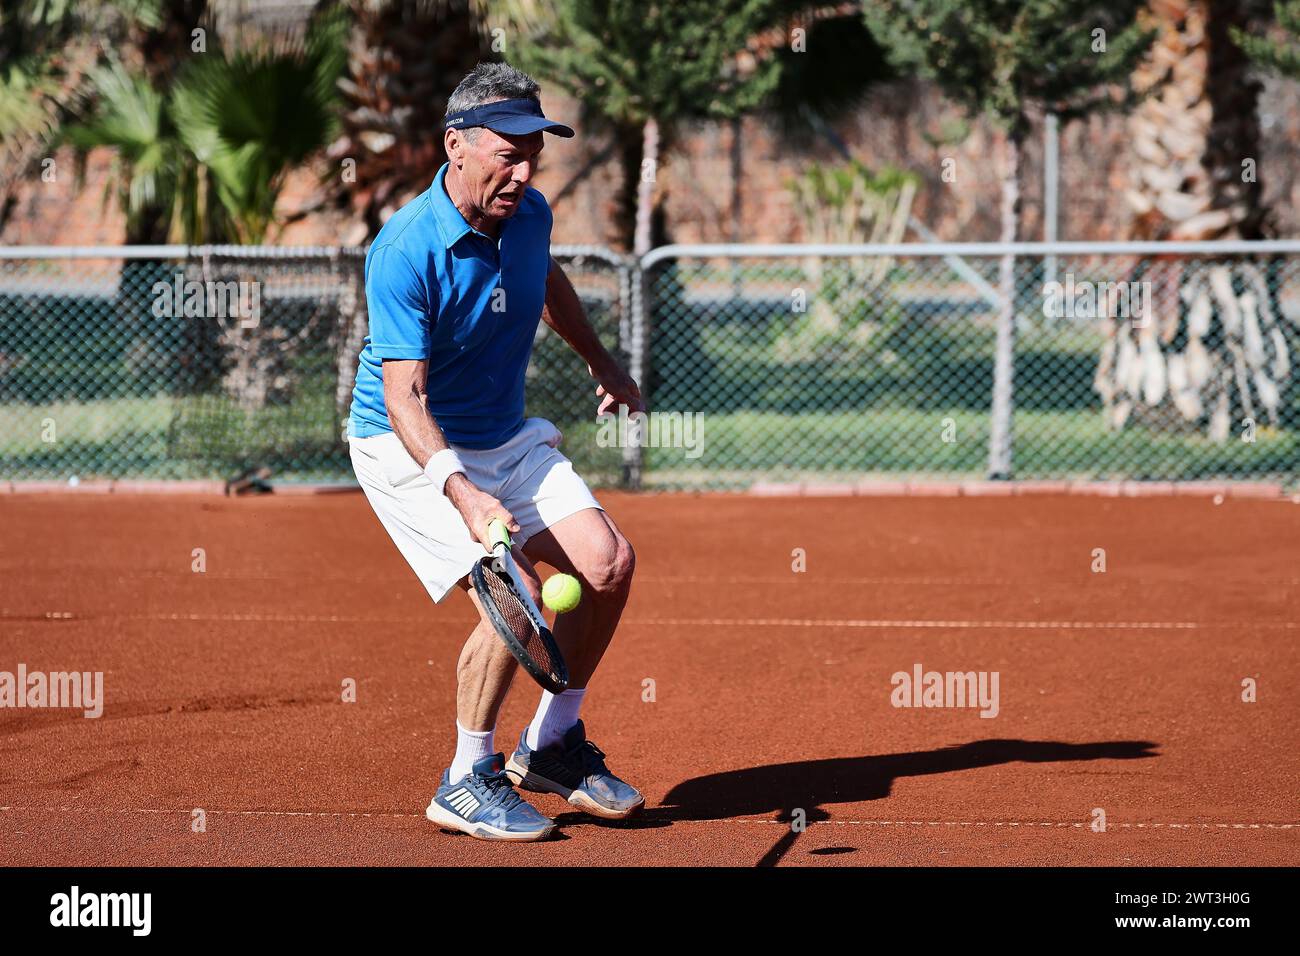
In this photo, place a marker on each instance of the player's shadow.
(811, 785)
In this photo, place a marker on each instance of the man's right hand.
(477, 508)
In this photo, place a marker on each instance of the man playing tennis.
(456, 282)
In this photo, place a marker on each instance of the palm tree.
(1214, 352)
(45, 55)
(162, 193)
(202, 157)
(51, 73)
(1005, 59)
(1196, 125)
(252, 116)
(404, 58)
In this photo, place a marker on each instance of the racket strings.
(520, 622)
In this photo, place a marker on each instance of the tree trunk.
(404, 59)
(1001, 428)
(737, 156)
(166, 46)
(1193, 133)
(1213, 353)
(643, 236)
(622, 202)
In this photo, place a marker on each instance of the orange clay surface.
(1119, 691)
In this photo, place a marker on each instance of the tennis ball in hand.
(561, 593)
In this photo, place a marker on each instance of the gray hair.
(487, 83)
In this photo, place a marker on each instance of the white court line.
(999, 625)
(789, 579)
(801, 580)
(862, 623)
(1021, 823)
(357, 814)
(229, 813)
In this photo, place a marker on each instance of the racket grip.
(498, 533)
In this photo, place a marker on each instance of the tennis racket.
(518, 622)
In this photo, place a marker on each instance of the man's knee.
(611, 566)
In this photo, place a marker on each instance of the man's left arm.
(564, 313)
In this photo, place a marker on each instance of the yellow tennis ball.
(561, 593)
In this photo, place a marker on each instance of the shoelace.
(593, 758)
(493, 784)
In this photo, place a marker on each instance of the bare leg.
(484, 806)
(589, 546)
(486, 667)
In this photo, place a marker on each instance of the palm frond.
(252, 116)
(131, 120)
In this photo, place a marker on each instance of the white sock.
(555, 715)
(471, 746)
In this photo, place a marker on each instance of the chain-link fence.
(174, 363)
(214, 362)
(833, 364)
(788, 363)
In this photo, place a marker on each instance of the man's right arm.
(406, 399)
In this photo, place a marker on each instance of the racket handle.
(499, 533)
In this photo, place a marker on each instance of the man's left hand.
(616, 387)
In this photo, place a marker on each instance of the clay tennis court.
(1118, 690)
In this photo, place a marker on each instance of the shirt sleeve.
(398, 305)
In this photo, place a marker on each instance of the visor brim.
(523, 125)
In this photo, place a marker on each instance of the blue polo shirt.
(439, 290)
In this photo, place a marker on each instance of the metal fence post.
(636, 285)
(1002, 411)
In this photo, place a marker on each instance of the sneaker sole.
(584, 802)
(436, 813)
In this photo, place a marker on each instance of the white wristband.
(442, 466)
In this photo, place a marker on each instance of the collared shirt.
(437, 289)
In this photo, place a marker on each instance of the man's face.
(495, 167)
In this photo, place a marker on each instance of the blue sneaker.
(574, 768)
(484, 804)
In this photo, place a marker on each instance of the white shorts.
(527, 474)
